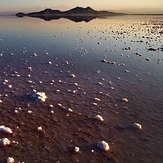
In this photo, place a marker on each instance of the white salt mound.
(4, 142)
(99, 117)
(76, 149)
(40, 96)
(137, 126)
(6, 129)
(103, 145)
(39, 128)
(10, 160)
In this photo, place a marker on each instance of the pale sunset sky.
(129, 6)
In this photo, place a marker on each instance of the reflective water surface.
(85, 69)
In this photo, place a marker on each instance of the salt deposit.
(125, 100)
(103, 145)
(137, 126)
(70, 110)
(4, 142)
(50, 62)
(72, 75)
(6, 129)
(10, 160)
(39, 128)
(99, 117)
(76, 149)
(29, 112)
(97, 99)
(39, 96)
(51, 106)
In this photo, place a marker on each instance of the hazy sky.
(118, 5)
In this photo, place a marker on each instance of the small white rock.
(30, 68)
(72, 75)
(99, 117)
(40, 96)
(127, 71)
(76, 149)
(103, 145)
(50, 62)
(94, 103)
(70, 110)
(29, 112)
(6, 129)
(4, 141)
(16, 111)
(125, 100)
(10, 86)
(100, 83)
(137, 126)
(52, 111)
(10, 160)
(34, 54)
(39, 128)
(51, 106)
(97, 99)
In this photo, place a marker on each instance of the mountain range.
(76, 13)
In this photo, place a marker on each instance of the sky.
(129, 6)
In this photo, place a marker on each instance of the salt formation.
(137, 126)
(39, 96)
(4, 142)
(125, 100)
(30, 68)
(29, 112)
(50, 62)
(99, 117)
(6, 129)
(72, 75)
(10, 160)
(103, 145)
(104, 60)
(97, 99)
(76, 149)
(39, 128)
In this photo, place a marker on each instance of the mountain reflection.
(72, 18)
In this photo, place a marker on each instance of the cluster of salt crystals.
(40, 96)
(103, 145)
(4, 142)
(6, 129)
(10, 160)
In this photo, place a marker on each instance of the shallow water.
(55, 50)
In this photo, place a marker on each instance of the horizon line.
(125, 11)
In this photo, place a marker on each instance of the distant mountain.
(81, 10)
(77, 13)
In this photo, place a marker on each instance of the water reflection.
(73, 18)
